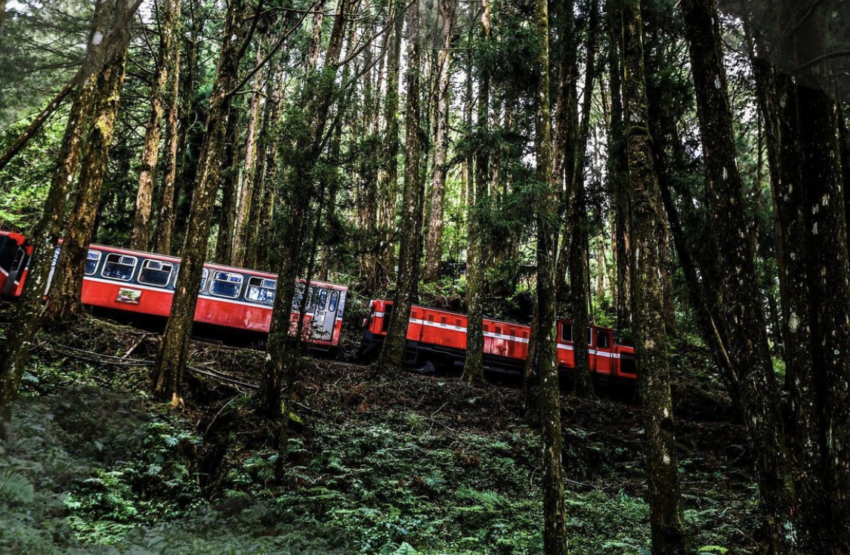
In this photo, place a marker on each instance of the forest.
(313, 276)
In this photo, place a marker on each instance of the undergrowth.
(398, 465)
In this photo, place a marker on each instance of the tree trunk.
(174, 350)
(169, 22)
(281, 365)
(829, 279)
(14, 351)
(65, 302)
(262, 180)
(388, 175)
(165, 220)
(648, 231)
(748, 346)
(434, 256)
(407, 284)
(231, 163)
(247, 196)
(473, 369)
(554, 510)
(618, 170)
(579, 252)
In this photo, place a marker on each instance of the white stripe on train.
(501, 336)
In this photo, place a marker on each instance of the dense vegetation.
(677, 170)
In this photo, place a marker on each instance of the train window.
(323, 299)
(261, 290)
(298, 298)
(566, 332)
(603, 339)
(156, 272)
(334, 301)
(226, 284)
(92, 260)
(119, 266)
(204, 277)
(314, 299)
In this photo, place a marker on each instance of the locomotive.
(232, 298)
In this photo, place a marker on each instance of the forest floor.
(398, 464)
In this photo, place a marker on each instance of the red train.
(240, 299)
(144, 283)
(439, 337)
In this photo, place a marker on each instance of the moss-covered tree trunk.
(14, 351)
(282, 357)
(648, 232)
(554, 509)
(65, 302)
(169, 20)
(248, 194)
(407, 282)
(829, 278)
(473, 369)
(618, 165)
(434, 251)
(174, 350)
(388, 174)
(579, 252)
(231, 164)
(731, 226)
(168, 196)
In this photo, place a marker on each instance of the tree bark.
(14, 351)
(407, 284)
(65, 302)
(579, 252)
(388, 174)
(171, 358)
(434, 255)
(169, 22)
(248, 195)
(748, 346)
(648, 231)
(618, 169)
(282, 360)
(554, 510)
(167, 199)
(477, 199)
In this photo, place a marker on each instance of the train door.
(15, 271)
(328, 303)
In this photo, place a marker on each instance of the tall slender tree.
(281, 365)
(580, 241)
(648, 231)
(434, 252)
(407, 282)
(169, 20)
(65, 302)
(477, 199)
(174, 350)
(748, 345)
(14, 351)
(554, 508)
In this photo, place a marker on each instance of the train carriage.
(439, 337)
(230, 298)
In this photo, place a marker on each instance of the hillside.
(376, 464)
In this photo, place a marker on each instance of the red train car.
(15, 254)
(439, 337)
(230, 298)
